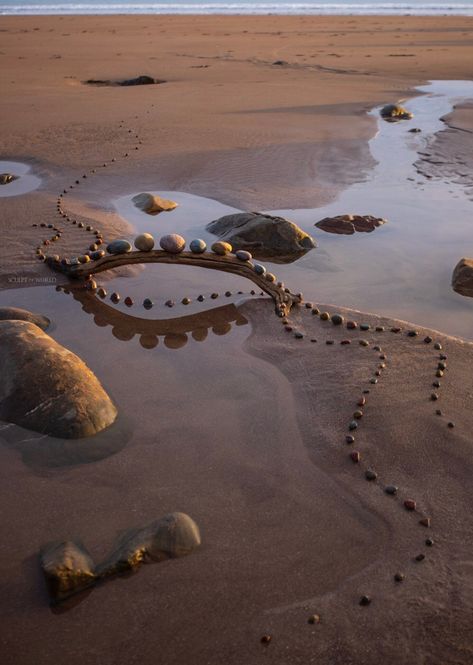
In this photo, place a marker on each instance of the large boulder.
(349, 224)
(462, 278)
(265, 236)
(18, 314)
(46, 388)
(153, 205)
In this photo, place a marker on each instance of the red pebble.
(355, 456)
(410, 504)
(345, 341)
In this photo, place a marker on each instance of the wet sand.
(245, 430)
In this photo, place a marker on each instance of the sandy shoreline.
(245, 431)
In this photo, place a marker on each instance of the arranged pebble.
(313, 619)
(128, 301)
(355, 456)
(364, 326)
(118, 247)
(221, 248)
(399, 577)
(325, 316)
(352, 325)
(391, 489)
(425, 521)
(337, 319)
(144, 242)
(172, 243)
(365, 600)
(243, 255)
(266, 639)
(350, 439)
(198, 246)
(259, 269)
(370, 475)
(115, 297)
(147, 303)
(429, 542)
(420, 557)
(410, 504)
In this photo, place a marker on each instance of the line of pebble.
(409, 504)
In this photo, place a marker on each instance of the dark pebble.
(186, 301)
(410, 504)
(350, 439)
(298, 335)
(288, 328)
(370, 475)
(412, 333)
(308, 305)
(355, 456)
(228, 294)
(201, 298)
(379, 328)
(436, 384)
(314, 618)
(438, 346)
(266, 639)
(214, 296)
(364, 326)
(329, 342)
(395, 330)
(352, 325)
(353, 425)
(345, 341)
(439, 373)
(442, 365)
(115, 297)
(374, 381)
(337, 319)
(451, 425)
(434, 397)
(365, 600)
(399, 577)
(391, 489)
(428, 340)
(420, 557)
(128, 301)
(169, 303)
(315, 311)
(438, 412)
(313, 340)
(429, 542)
(147, 303)
(442, 356)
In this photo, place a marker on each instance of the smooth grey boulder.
(462, 278)
(265, 236)
(18, 314)
(47, 388)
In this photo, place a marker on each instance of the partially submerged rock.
(18, 314)
(68, 568)
(7, 178)
(265, 236)
(152, 204)
(174, 535)
(395, 112)
(462, 278)
(139, 80)
(47, 388)
(348, 224)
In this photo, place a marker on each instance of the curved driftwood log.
(283, 299)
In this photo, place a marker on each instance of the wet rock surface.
(18, 314)
(7, 178)
(139, 80)
(47, 388)
(350, 224)
(68, 568)
(462, 278)
(265, 236)
(153, 204)
(395, 112)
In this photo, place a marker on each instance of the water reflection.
(174, 332)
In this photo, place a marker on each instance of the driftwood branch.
(282, 298)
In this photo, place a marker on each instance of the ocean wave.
(129, 7)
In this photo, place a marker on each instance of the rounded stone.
(270, 277)
(298, 335)
(313, 619)
(243, 255)
(451, 425)
(364, 342)
(442, 365)
(259, 269)
(364, 326)
(169, 303)
(355, 456)
(410, 504)
(115, 297)
(144, 242)
(119, 247)
(391, 489)
(434, 397)
(198, 246)
(214, 296)
(379, 329)
(420, 557)
(186, 301)
(429, 542)
(412, 333)
(266, 639)
(315, 311)
(99, 254)
(147, 303)
(201, 298)
(358, 415)
(221, 248)
(350, 439)
(399, 577)
(439, 373)
(101, 292)
(128, 301)
(353, 425)
(337, 319)
(374, 381)
(172, 243)
(370, 475)
(428, 339)
(438, 346)
(325, 316)
(365, 600)
(352, 325)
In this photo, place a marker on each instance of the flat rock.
(462, 278)
(152, 204)
(349, 224)
(265, 236)
(47, 388)
(18, 314)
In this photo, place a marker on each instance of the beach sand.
(245, 432)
